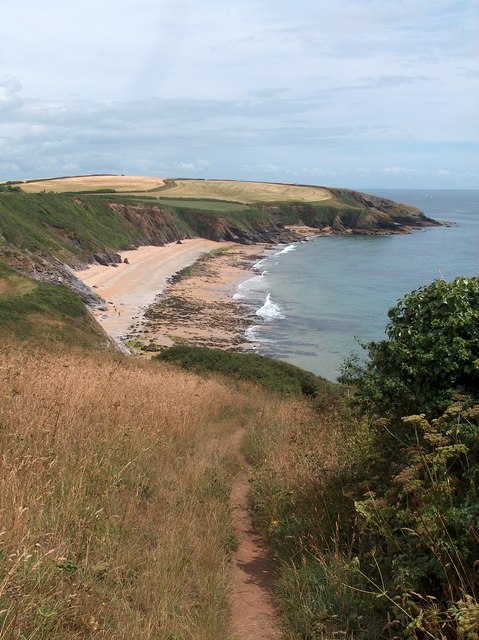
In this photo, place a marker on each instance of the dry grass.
(114, 497)
(16, 285)
(86, 183)
(300, 503)
(244, 192)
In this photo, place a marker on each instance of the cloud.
(197, 166)
(395, 171)
(10, 88)
(281, 89)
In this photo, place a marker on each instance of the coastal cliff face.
(353, 212)
(46, 235)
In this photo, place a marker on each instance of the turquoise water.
(311, 302)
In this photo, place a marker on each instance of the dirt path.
(253, 615)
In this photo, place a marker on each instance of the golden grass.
(16, 285)
(86, 183)
(114, 497)
(244, 192)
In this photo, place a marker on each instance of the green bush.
(419, 509)
(432, 352)
(376, 534)
(420, 529)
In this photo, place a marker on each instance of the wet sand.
(200, 309)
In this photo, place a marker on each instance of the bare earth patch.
(253, 613)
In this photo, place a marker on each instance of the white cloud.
(281, 89)
(10, 88)
(395, 171)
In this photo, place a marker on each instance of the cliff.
(47, 235)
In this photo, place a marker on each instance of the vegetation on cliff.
(374, 520)
(81, 224)
(277, 376)
(42, 313)
(114, 491)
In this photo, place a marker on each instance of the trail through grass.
(114, 495)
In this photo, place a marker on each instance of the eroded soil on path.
(253, 615)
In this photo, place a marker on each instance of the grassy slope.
(274, 375)
(73, 227)
(115, 497)
(42, 313)
(62, 225)
(106, 443)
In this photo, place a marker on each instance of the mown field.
(92, 183)
(231, 191)
(244, 192)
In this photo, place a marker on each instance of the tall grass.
(114, 497)
(303, 504)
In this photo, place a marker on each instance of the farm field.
(169, 191)
(243, 192)
(200, 204)
(87, 183)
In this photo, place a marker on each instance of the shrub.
(432, 352)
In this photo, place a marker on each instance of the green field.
(243, 192)
(199, 204)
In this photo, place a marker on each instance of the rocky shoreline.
(197, 307)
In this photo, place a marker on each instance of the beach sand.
(198, 309)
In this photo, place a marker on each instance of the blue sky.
(354, 93)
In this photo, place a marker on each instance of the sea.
(314, 303)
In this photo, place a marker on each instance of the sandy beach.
(200, 309)
(197, 309)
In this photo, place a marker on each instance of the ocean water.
(313, 302)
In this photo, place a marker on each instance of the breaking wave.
(270, 310)
(290, 247)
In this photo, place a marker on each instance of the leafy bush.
(419, 509)
(420, 530)
(375, 522)
(432, 352)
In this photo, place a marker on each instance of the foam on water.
(257, 265)
(251, 334)
(270, 310)
(255, 281)
(290, 247)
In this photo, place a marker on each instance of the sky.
(347, 93)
